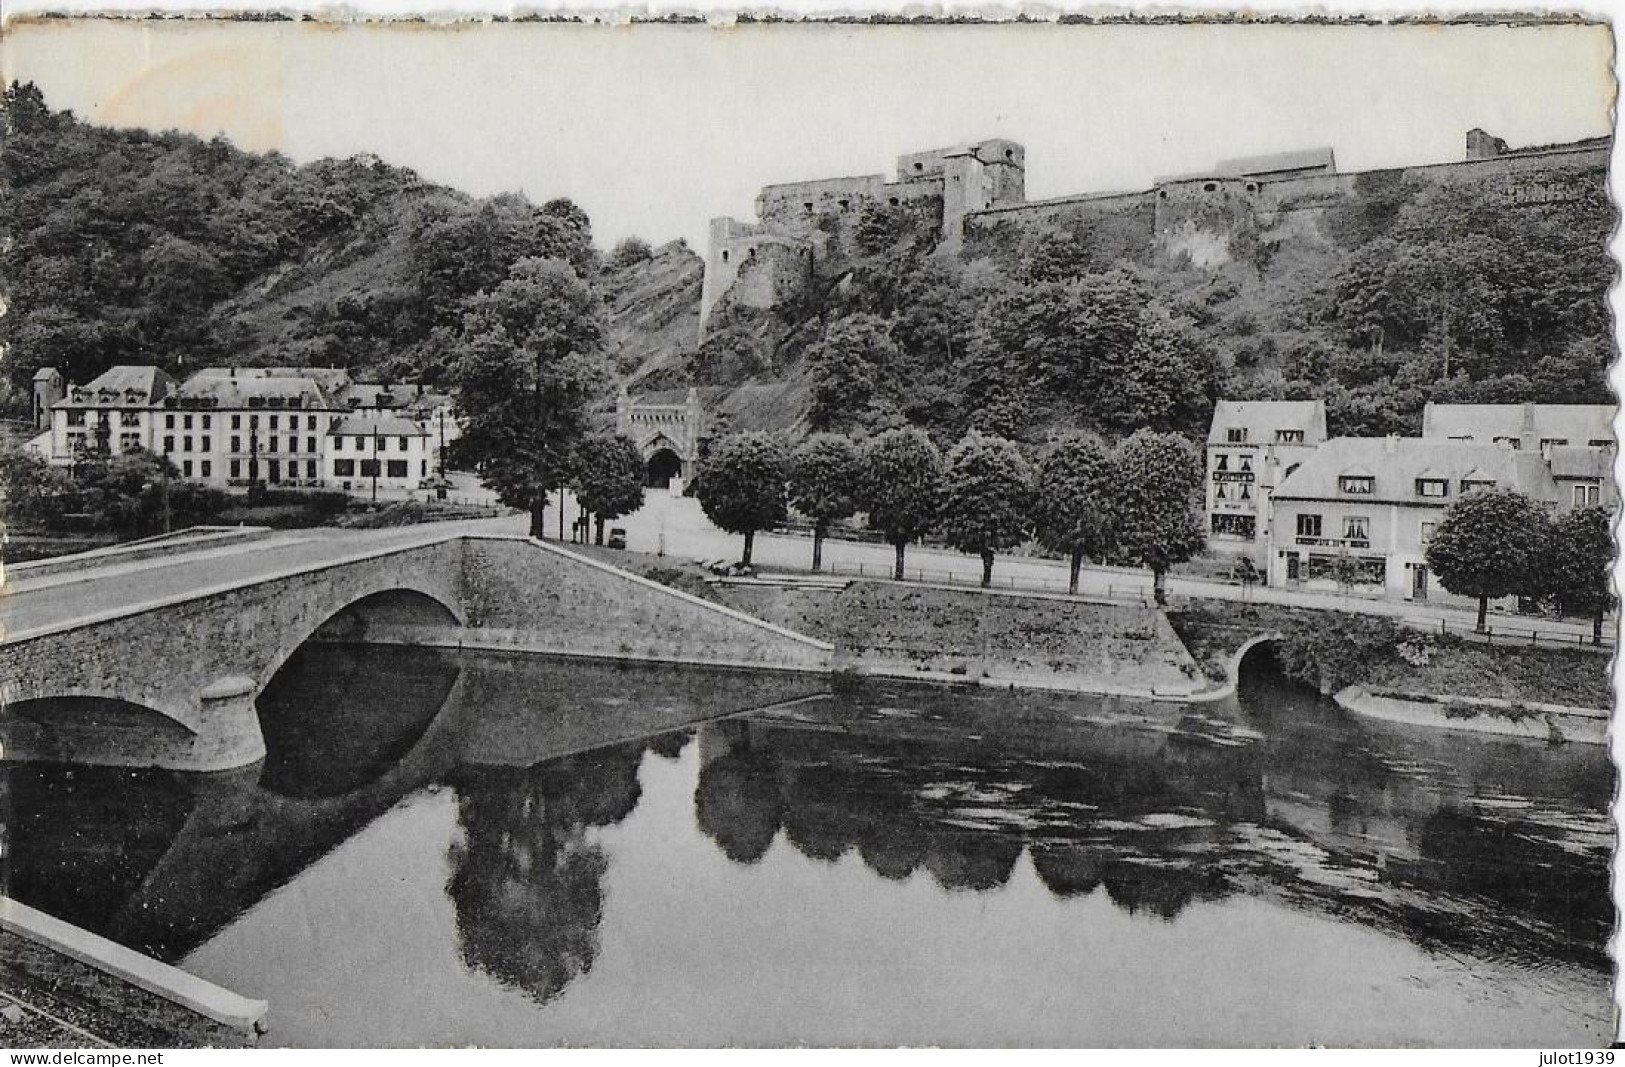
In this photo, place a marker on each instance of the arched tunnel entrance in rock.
(661, 468)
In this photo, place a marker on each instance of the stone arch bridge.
(170, 680)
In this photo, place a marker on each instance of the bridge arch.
(78, 725)
(393, 608)
(1258, 643)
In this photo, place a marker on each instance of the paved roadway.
(667, 524)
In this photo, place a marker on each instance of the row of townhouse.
(1296, 503)
(293, 427)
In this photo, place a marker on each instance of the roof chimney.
(1390, 443)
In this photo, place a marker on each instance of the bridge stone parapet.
(173, 683)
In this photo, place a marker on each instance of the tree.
(1072, 507)
(1488, 545)
(742, 484)
(609, 478)
(1156, 504)
(849, 368)
(904, 491)
(1578, 564)
(629, 253)
(988, 502)
(525, 371)
(825, 473)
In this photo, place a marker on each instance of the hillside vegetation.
(126, 246)
(131, 247)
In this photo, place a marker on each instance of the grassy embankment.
(1331, 650)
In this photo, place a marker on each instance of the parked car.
(617, 537)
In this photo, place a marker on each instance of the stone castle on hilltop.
(807, 231)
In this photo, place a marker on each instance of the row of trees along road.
(1135, 504)
(1498, 542)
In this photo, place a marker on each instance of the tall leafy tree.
(825, 473)
(849, 367)
(609, 478)
(988, 502)
(527, 367)
(1578, 564)
(1072, 510)
(1488, 545)
(742, 484)
(904, 485)
(1157, 504)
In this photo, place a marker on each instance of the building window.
(310, 424)
(1235, 526)
(253, 421)
(1548, 443)
(1470, 484)
(397, 468)
(186, 443)
(403, 444)
(1246, 492)
(76, 441)
(130, 418)
(423, 468)
(77, 418)
(206, 445)
(206, 425)
(1236, 435)
(1246, 463)
(1432, 487)
(1289, 437)
(270, 444)
(186, 422)
(169, 422)
(1600, 442)
(1219, 493)
(1221, 462)
(186, 468)
(236, 469)
(310, 444)
(1585, 495)
(293, 444)
(310, 469)
(369, 468)
(344, 468)
(169, 444)
(236, 422)
(1357, 484)
(1511, 442)
(205, 467)
(1308, 526)
(1357, 528)
(360, 444)
(128, 441)
(236, 444)
(1428, 530)
(273, 423)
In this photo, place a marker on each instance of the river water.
(453, 849)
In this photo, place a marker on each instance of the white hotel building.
(288, 427)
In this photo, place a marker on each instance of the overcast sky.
(655, 129)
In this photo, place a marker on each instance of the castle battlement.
(805, 230)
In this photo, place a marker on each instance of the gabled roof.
(381, 423)
(1400, 461)
(226, 391)
(1261, 418)
(1577, 461)
(1579, 424)
(124, 385)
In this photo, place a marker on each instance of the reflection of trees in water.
(527, 882)
(960, 811)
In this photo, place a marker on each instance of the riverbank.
(1378, 668)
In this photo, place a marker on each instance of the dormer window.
(1236, 435)
(1468, 485)
(1510, 442)
(1434, 488)
(1357, 484)
(1548, 443)
(1600, 442)
(1289, 437)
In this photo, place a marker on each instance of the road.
(676, 527)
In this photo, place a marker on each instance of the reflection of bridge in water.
(1158, 808)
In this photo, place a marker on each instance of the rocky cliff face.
(654, 313)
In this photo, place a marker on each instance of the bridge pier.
(228, 734)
